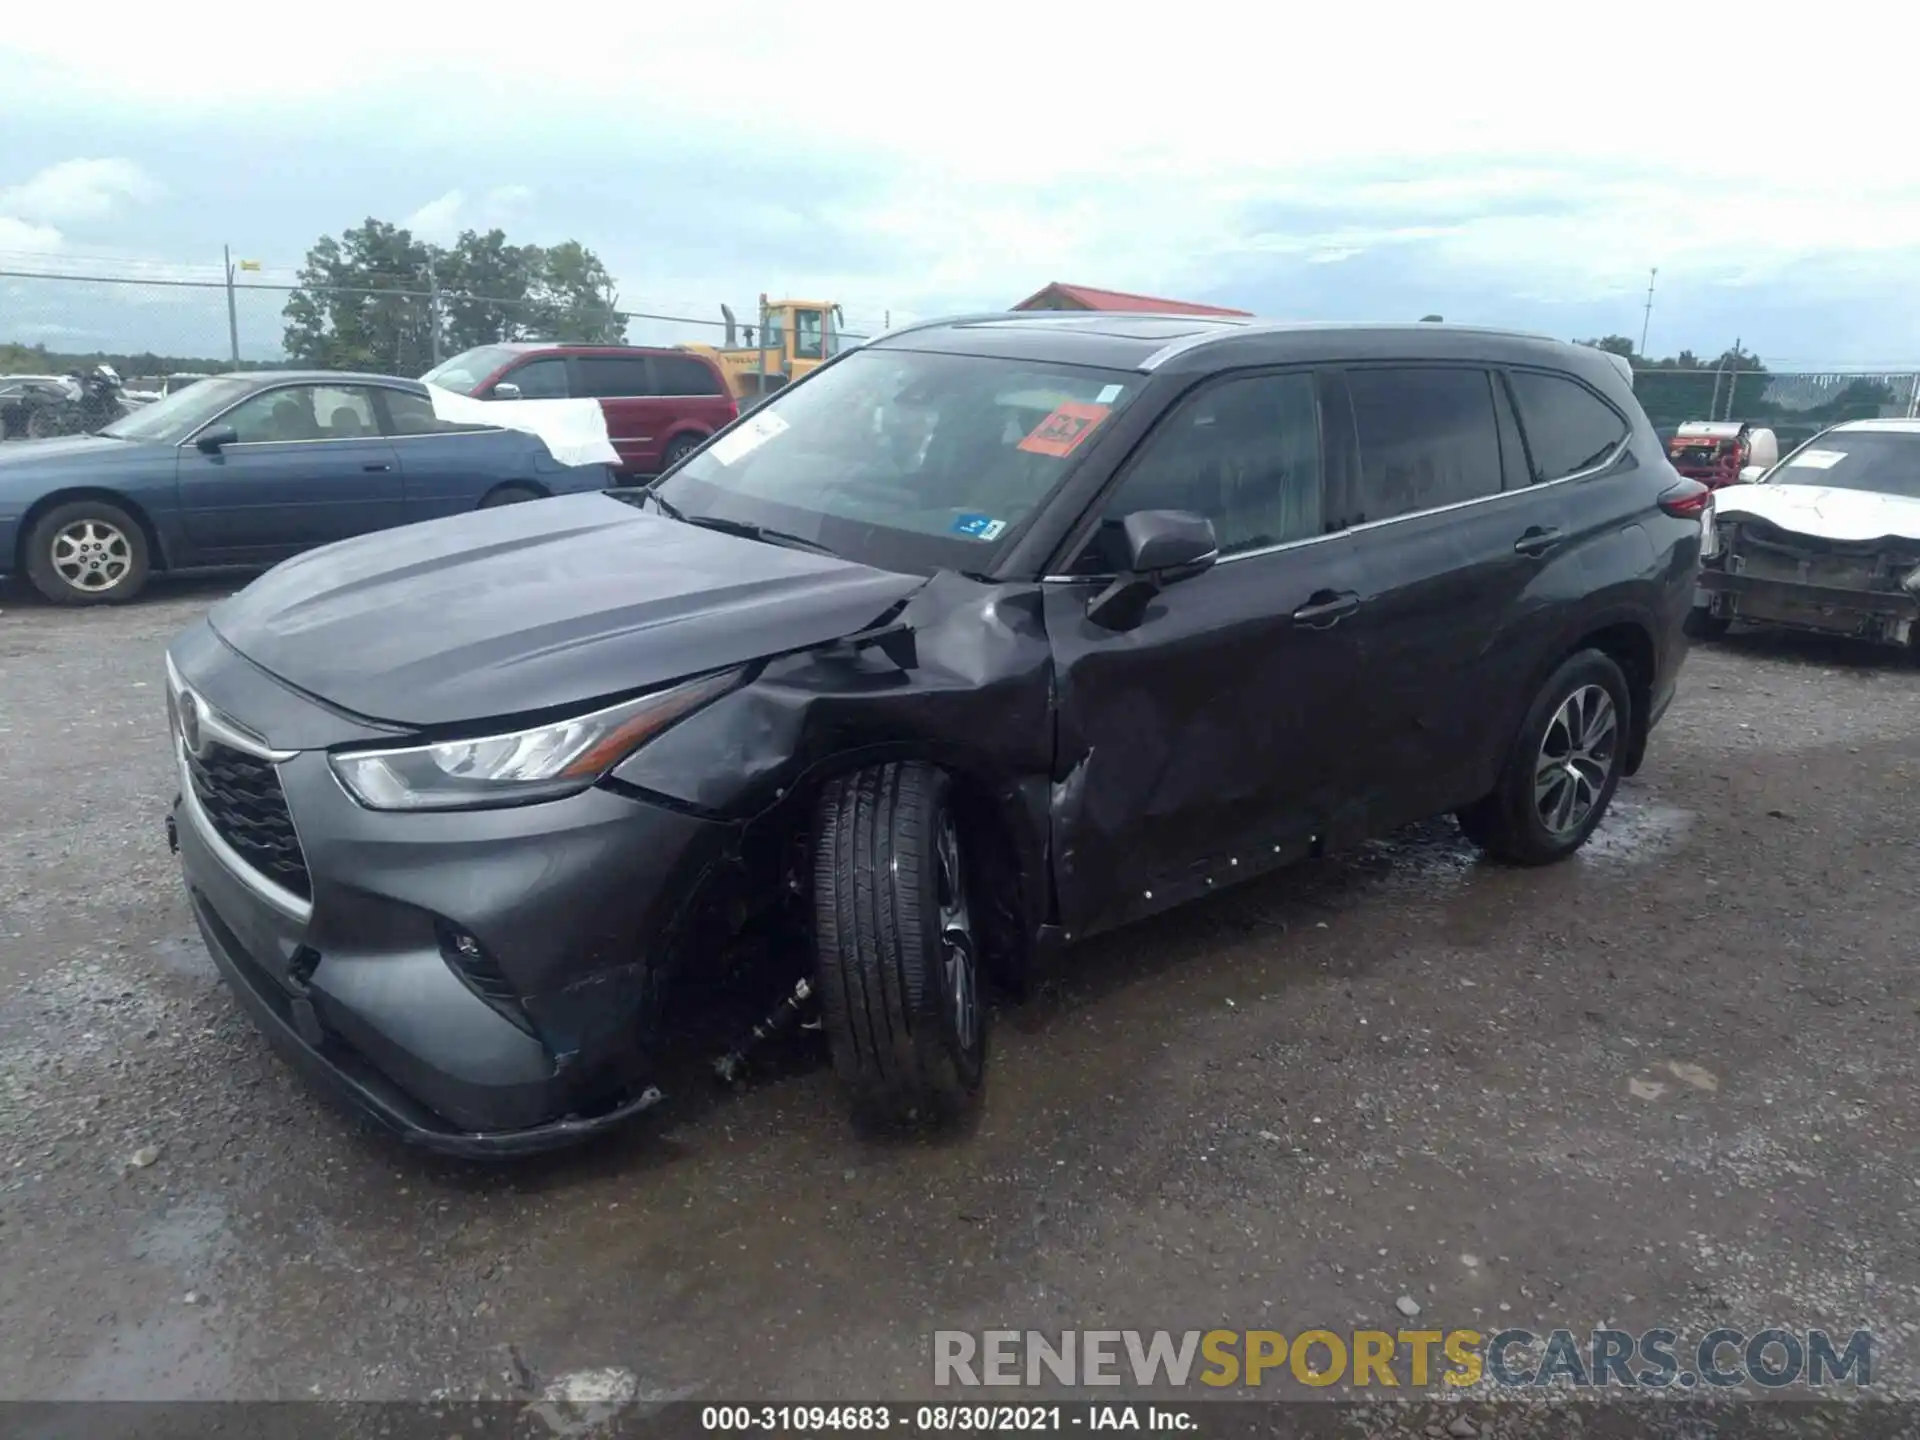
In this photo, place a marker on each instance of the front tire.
(87, 553)
(899, 967)
(1563, 769)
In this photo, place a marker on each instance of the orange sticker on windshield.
(1060, 434)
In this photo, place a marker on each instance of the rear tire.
(678, 449)
(508, 495)
(899, 967)
(87, 552)
(1563, 768)
(1703, 624)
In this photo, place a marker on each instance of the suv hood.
(526, 608)
(1824, 511)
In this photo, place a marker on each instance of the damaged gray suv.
(985, 638)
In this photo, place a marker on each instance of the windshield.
(172, 418)
(1886, 461)
(904, 461)
(464, 373)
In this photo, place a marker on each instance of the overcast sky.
(1515, 165)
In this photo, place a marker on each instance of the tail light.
(1689, 500)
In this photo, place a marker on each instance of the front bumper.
(572, 902)
(1886, 616)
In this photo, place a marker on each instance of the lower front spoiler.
(357, 1086)
(1886, 616)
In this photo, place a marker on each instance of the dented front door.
(1210, 741)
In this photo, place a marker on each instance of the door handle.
(377, 467)
(1537, 540)
(1325, 609)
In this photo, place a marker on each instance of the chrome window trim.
(353, 384)
(1592, 470)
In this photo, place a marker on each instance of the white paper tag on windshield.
(1108, 394)
(749, 437)
(1819, 459)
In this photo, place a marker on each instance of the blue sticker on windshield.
(980, 527)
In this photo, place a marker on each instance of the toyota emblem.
(189, 709)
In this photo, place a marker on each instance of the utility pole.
(433, 308)
(1646, 317)
(233, 315)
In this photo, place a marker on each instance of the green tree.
(362, 303)
(486, 289)
(573, 294)
(365, 298)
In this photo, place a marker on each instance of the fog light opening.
(481, 973)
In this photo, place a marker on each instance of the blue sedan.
(245, 470)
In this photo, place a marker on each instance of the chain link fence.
(150, 327)
(1795, 405)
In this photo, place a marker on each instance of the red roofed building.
(1059, 296)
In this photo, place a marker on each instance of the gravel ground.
(1670, 1082)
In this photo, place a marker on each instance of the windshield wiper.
(745, 529)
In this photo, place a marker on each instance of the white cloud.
(438, 220)
(77, 190)
(1537, 146)
(25, 238)
(442, 219)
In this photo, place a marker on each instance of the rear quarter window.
(683, 375)
(1569, 429)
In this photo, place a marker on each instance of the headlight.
(1912, 583)
(538, 764)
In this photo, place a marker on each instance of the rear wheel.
(43, 424)
(899, 965)
(678, 449)
(508, 495)
(87, 553)
(1564, 766)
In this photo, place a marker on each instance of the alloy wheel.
(92, 556)
(958, 960)
(1577, 756)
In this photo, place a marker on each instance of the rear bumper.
(1879, 615)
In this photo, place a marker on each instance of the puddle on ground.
(1636, 832)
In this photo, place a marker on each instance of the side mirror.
(1164, 547)
(505, 390)
(1752, 473)
(211, 441)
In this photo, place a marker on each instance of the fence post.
(1733, 379)
(233, 315)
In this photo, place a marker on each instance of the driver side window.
(1244, 453)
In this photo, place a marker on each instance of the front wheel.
(1564, 766)
(899, 965)
(87, 553)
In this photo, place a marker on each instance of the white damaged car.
(1827, 540)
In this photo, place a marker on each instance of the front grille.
(1807, 565)
(241, 796)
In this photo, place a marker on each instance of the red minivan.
(659, 403)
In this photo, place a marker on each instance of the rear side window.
(611, 377)
(539, 379)
(1569, 428)
(682, 375)
(1428, 437)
